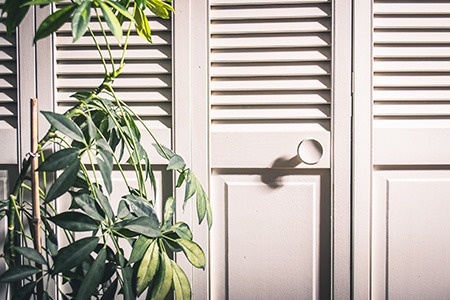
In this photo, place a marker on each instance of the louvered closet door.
(411, 142)
(270, 90)
(145, 83)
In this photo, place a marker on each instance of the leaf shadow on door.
(273, 176)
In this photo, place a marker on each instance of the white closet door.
(270, 91)
(410, 174)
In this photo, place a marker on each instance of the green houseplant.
(96, 135)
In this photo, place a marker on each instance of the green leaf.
(159, 8)
(25, 292)
(180, 283)
(93, 277)
(64, 182)
(191, 186)
(148, 267)
(141, 4)
(65, 125)
(141, 207)
(127, 288)
(74, 254)
(41, 2)
(139, 248)
(176, 163)
(141, 225)
(104, 203)
(141, 24)
(54, 22)
(201, 201)
(163, 151)
(181, 179)
(75, 221)
(105, 164)
(122, 10)
(163, 281)
(31, 254)
(18, 273)
(169, 211)
(123, 212)
(59, 160)
(112, 21)
(87, 203)
(15, 13)
(80, 20)
(111, 291)
(182, 230)
(193, 252)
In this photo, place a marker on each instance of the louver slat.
(8, 96)
(146, 80)
(274, 53)
(411, 80)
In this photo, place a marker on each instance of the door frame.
(191, 133)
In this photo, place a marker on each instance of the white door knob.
(310, 151)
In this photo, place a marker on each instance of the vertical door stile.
(362, 149)
(341, 149)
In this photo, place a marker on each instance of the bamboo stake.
(35, 188)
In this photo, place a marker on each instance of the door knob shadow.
(272, 177)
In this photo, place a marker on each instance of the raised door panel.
(411, 245)
(271, 235)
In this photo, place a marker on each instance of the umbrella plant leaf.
(93, 277)
(54, 22)
(65, 125)
(181, 283)
(75, 221)
(17, 273)
(74, 254)
(31, 254)
(59, 160)
(64, 182)
(148, 267)
(80, 20)
(193, 252)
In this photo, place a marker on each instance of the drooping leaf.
(163, 151)
(74, 254)
(80, 20)
(64, 182)
(141, 207)
(182, 230)
(176, 163)
(59, 160)
(93, 277)
(25, 291)
(148, 267)
(54, 22)
(181, 179)
(141, 24)
(169, 211)
(18, 273)
(127, 288)
(65, 125)
(16, 11)
(41, 2)
(141, 225)
(111, 291)
(191, 186)
(160, 8)
(119, 7)
(201, 201)
(139, 248)
(104, 203)
(181, 283)
(31, 254)
(112, 21)
(75, 221)
(88, 205)
(123, 212)
(105, 164)
(141, 4)
(92, 129)
(163, 280)
(193, 252)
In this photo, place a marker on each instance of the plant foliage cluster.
(100, 133)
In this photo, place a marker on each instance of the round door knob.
(310, 151)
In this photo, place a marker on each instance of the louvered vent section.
(8, 96)
(270, 62)
(411, 59)
(145, 83)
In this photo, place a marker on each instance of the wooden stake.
(35, 189)
(35, 176)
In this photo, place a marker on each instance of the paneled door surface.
(271, 97)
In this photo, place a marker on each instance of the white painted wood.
(341, 150)
(255, 235)
(362, 149)
(411, 258)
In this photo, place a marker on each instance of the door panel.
(271, 235)
(411, 247)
